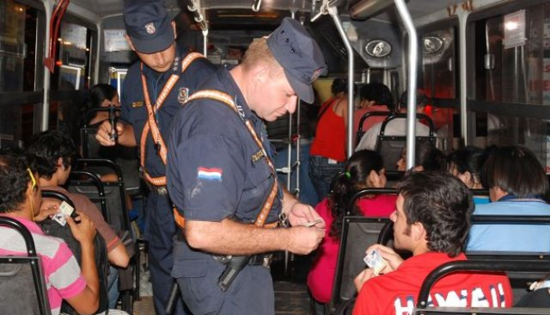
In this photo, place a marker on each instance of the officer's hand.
(104, 133)
(85, 231)
(303, 240)
(304, 215)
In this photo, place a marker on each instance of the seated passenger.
(51, 153)
(431, 221)
(374, 97)
(465, 164)
(397, 126)
(426, 158)
(517, 183)
(364, 169)
(20, 198)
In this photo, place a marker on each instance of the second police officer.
(155, 88)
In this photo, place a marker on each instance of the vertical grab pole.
(205, 42)
(333, 12)
(411, 83)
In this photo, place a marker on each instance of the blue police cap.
(148, 25)
(299, 55)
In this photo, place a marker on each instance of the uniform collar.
(231, 88)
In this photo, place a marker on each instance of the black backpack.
(52, 228)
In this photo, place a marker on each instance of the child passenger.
(364, 169)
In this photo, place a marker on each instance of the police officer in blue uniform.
(158, 83)
(221, 178)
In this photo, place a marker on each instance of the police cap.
(299, 55)
(148, 25)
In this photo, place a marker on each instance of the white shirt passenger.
(395, 127)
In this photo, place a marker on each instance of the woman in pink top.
(364, 169)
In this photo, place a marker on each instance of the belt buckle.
(162, 191)
(267, 260)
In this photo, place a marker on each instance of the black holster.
(232, 269)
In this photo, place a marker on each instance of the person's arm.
(125, 134)
(118, 256)
(233, 238)
(87, 302)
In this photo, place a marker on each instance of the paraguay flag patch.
(210, 174)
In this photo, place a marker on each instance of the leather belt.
(255, 260)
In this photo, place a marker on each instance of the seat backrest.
(358, 233)
(22, 284)
(478, 266)
(125, 157)
(114, 195)
(360, 132)
(390, 149)
(53, 228)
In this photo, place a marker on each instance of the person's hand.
(83, 232)
(104, 132)
(303, 240)
(362, 278)
(303, 215)
(390, 256)
(48, 208)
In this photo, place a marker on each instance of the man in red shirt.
(431, 220)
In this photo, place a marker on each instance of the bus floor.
(291, 296)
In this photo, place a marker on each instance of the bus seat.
(358, 233)
(22, 282)
(480, 266)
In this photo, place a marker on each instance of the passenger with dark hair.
(466, 164)
(426, 158)
(101, 96)
(517, 184)
(328, 150)
(374, 97)
(20, 199)
(364, 169)
(398, 126)
(51, 154)
(431, 221)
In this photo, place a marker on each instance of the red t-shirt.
(396, 292)
(330, 136)
(321, 276)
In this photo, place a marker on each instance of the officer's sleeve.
(206, 175)
(198, 72)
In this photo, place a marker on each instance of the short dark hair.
(99, 93)
(356, 172)
(516, 170)
(377, 92)
(429, 157)
(45, 149)
(14, 180)
(338, 86)
(443, 204)
(468, 159)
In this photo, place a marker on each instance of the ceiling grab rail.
(194, 7)
(328, 7)
(412, 70)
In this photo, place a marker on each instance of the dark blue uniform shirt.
(133, 102)
(211, 171)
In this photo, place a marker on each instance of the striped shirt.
(63, 277)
